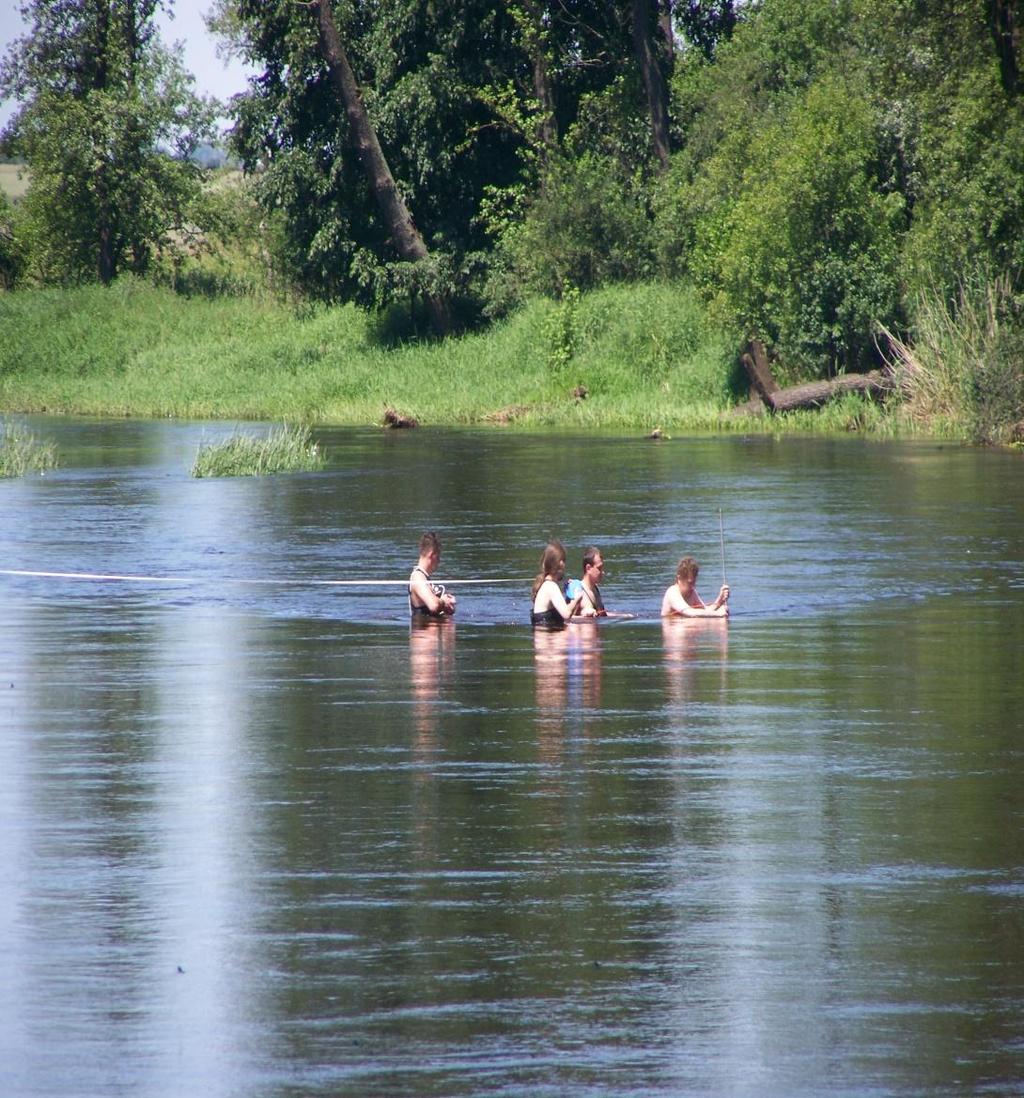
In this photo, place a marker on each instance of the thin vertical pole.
(721, 539)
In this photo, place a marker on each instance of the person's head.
(552, 564)
(593, 564)
(686, 574)
(552, 561)
(430, 546)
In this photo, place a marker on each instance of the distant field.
(10, 183)
(15, 187)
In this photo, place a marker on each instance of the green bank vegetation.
(580, 214)
(285, 450)
(21, 452)
(642, 353)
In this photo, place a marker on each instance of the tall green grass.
(963, 371)
(644, 355)
(624, 358)
(22, 453)
(284, 450)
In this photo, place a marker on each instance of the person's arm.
(723, 597)
(436, 604)
(555, 599)
(674, 605)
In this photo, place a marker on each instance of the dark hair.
(688, 569)
(550, 559)
(430, 543)
(589, 554)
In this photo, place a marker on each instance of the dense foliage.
(107, 120)
(817, 169)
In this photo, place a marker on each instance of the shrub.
(805, 251)
(12, 246)
(587, 226)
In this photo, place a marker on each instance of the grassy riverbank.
(645, 355)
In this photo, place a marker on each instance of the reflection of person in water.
(431, 661)
(431, 658)
(689, 644)
(567, 662)
(682, 599)
(551, 667)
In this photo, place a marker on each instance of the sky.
(214, 76)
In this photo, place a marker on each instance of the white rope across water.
(111, 577)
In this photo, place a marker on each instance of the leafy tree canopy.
(108, 117)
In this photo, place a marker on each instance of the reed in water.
(285, 450)
(22, 453)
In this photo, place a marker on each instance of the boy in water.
(591, 605)
(682, 600)
(426, 598)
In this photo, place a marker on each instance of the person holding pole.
(682, 600)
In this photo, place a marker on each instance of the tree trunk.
(106, 265)
(543, 88)
(547, 129)
(406, 237)
(816, 393)
(106, 268)
(646, 19)
(1005, 18)
(665, 26)
(755, 362)
(811, 395)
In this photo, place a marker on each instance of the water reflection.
(567, 666)
(431, 661)
(776, 856)
(685, 643)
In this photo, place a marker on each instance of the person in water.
(549, 605)
(682, 600)
(426, 598)
(591, 605)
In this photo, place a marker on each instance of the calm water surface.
(263, 839)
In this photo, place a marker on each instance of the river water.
(262, 838)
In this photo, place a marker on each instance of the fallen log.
(813, 394)
(816, 393)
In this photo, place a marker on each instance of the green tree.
(419, 70)
(706, 23)
(956, 127)
(587, 226)
(107, 120)
(405, 237)
(471, 102)
(806, 253)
